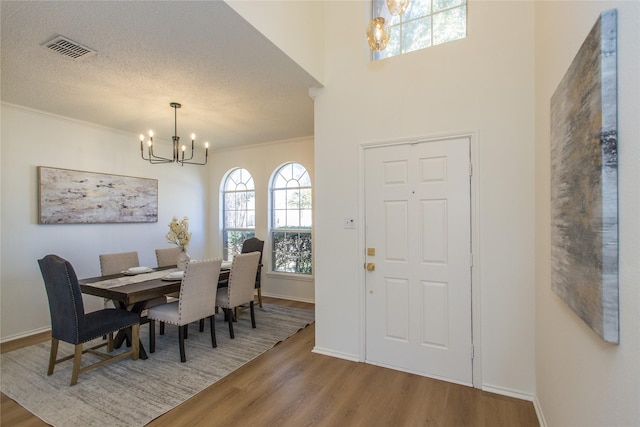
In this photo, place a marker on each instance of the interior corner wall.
(484, 84)
(30, 139)
(296, 26)
(262, 161)
(580, 379)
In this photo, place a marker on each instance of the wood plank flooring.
(291, 386)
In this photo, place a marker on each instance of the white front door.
(418, 236)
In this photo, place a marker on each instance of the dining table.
(134, 291)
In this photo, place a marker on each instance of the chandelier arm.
(158, 159)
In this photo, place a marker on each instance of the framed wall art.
(584, 182)
(77, 197)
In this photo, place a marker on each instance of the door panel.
(417, 214)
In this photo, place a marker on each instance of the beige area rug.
(132, 393)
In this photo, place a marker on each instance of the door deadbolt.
(371, 266)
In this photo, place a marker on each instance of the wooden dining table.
(134, 292)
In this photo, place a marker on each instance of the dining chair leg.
(52, 355)
(109, 342)
(230, 321)
(186, 331)
(260, 297)
(253, 314)
(77, 358)
(161, 328)
(182, 330)
(201, 325)
(212, 322)
(152, 336)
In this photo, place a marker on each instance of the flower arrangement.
(179, 232)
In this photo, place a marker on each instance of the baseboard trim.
(509, 393)
(27, 338)
(539, 414)
(345, 356)
(288, 297)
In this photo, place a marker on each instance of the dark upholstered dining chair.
(252, 244)
(255, 245)
(240, 288)
(196, 302)
(70, 324)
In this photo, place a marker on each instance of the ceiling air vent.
(69, 48)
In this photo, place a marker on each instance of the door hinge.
(472, 352)
(470, 169)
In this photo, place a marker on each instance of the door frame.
(476, 300)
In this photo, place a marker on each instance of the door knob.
(371, 266)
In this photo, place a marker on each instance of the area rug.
(133, 393)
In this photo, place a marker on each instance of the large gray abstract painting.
(584, 182)
(76, 197)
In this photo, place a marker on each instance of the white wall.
(30, 139)
(581, 380)
(262, 161)
(484, 83)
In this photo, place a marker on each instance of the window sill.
(290, 276)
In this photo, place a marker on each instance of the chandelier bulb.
(193, 136)
(150, 134)
(378, 34)
(397, 7)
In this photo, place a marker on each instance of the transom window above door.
(425, 23)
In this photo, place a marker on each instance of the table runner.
(128, 280)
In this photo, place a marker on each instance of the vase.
(183, 260)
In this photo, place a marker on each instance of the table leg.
(125, 334)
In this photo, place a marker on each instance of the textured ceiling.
(236, 88)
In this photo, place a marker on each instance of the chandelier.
(378, 32)
(178, 151)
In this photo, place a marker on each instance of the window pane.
(280, 199)
(293, 218)
(450, 25)
(279, 218)
(305, 218)
(416, 34)
(291, 252)
(439, 5)
(233, 242)
(417, 9)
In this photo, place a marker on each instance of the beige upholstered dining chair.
(167, 256)
(241, 287)
(117, 263)
(196, 301)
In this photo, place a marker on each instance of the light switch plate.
(349, 223)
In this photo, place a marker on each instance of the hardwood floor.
(291, 386)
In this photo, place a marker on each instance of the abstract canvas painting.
(77, 197)
(584, 182)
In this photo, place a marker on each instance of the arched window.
(238, 211)
(291, 220)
